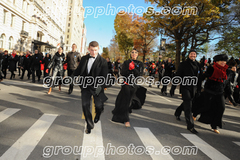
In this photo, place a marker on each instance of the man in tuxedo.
(92, 66)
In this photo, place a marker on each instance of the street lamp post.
(162, 45)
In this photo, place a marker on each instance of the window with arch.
(10, 42)
(2, 40)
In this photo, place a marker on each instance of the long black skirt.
(122, 104)
(211, 107)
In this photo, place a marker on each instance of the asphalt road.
(35, 126)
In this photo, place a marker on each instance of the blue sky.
(101, 28)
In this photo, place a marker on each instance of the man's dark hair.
(93, 44)
(135, 49)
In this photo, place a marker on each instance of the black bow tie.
(91, 57)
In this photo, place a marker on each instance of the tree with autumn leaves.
(133, 31)
(187, 29)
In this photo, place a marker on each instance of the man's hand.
(98, 90)
(47, 70)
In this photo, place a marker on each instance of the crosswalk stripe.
(92, 146)
(23, 147)
(238, 143)
(205, 147)
(7, 113)
(149, 140)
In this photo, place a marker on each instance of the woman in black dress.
(57, 67)
(212, 104)
(124, 98)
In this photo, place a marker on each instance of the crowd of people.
(217, 81)
(35, 65)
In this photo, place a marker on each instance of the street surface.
(38, 126)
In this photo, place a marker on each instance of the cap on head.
(220, 57)
(192, 50)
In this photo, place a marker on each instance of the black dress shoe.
(164, 93)
(193, 131)
(70, 91)
(97, 117)
(178, 118)
(88, 131)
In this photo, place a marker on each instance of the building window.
(4, 16)
(2, 39)
(67, 36)
(67, 42)
(68, 30)
(66, 48)
(12, 20)
(69, 18)
(68, 24)
(10, 41)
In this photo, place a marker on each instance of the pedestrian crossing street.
(25, 145)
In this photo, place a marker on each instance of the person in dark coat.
(92, 65)
(228, 91)
(20, 63)
(212, 106)
(161, 70)
(116, 68)
(46, 61)
(124, 98)
(152, 72)
(110, 67)
(57, 67)
(27, 65)
(12, 60)
(72, 60)
(35, 65)
(191, 68)
(5, 63)
(169, 67)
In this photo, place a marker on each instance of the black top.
(137, 71)
(36, 58)
(189, 68)
(57, 61)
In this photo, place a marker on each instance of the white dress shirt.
(90, 63)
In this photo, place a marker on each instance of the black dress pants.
(187, 107)
(86, 99)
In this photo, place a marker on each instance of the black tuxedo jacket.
(99, 68)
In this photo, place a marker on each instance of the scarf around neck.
(219, 73)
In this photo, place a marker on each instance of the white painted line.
(160, 96)
(92, 146)
(23, 147)
(211, 152)
(238, 143)
(149, 140)
(7, 113)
